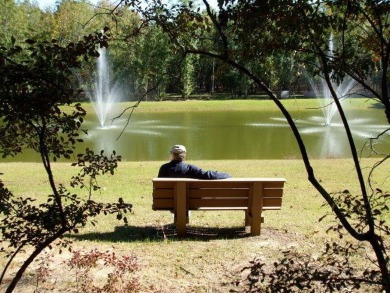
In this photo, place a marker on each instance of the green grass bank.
(243, 105)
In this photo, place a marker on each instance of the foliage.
(35, 86)
(23, 21)
(89, 271)
(33, 90)
(27, 223)
(141, 54)
(70, 21)
(333, 270)
(143, 61)
(187, 78)
(119, 277)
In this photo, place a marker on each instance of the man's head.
(178, 152)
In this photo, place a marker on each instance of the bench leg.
(255, 227)
(256, 208)
(175, 218)
(248, 220)
(181, 209)
(181, 228)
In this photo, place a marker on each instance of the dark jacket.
(179, 169)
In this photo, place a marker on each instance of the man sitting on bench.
(176, 168)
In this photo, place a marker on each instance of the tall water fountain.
(104, 93)
(324, 96)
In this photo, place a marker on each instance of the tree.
(22, 20)
(73, 20)
(282, 70)
(38, 112)
(249, 32)
(140, 55)
(187, 76)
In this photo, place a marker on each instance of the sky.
(51, 3)
(45, 3)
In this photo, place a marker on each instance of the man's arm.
(196, 172)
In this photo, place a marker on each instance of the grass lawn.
(217, 247)
(236, 105)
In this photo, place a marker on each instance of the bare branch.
(217, 25)
(133, 107)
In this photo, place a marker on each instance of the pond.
(230, 135)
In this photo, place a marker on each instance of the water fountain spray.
(103, 94)
(324, 96)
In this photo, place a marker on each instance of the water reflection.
(329, 140)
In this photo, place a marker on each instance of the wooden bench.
(253, 195)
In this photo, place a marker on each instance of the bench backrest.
(233, 193)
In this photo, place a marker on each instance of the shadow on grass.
(167, 232)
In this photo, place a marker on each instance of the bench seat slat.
(162, 193)
(225, 183)
(268, 203)
(199, 203)
(217, 192)
(163, 204)
(272, 201)
(232, 184)
(163, 184)
(273, 192)
(218, 184)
